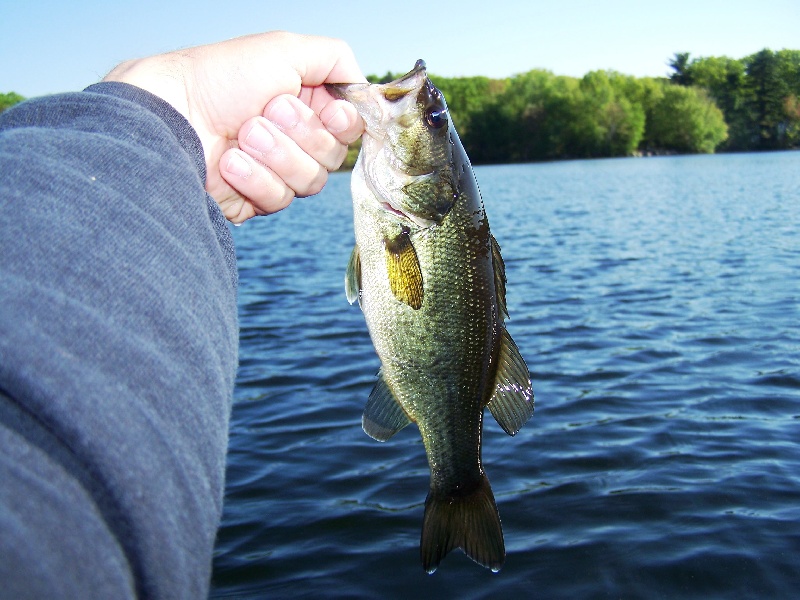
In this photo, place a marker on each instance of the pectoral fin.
(383, 415)
(352, 277)
(405, 275)
(499, 277)
(512, 400)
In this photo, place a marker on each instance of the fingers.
(287, 152)
(342, 120)
(321, 60)
(259, 191)
(258, 164)
(309, 135)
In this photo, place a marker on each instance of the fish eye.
(435, 117)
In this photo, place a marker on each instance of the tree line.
(759, 95)
(705, 105)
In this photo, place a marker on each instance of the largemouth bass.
(430, 281)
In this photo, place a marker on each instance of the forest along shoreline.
(705, 105)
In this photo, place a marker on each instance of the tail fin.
(469, 521)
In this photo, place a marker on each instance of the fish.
(430, 280)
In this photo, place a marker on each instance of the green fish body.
(430, 281)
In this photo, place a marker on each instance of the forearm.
(118, 342)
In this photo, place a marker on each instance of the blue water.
(657, 303)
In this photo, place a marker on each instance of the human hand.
(270, 131)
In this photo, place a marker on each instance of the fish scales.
(420, 364)
(430, 280)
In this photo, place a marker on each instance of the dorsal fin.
(499, 278)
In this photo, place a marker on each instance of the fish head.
(407, 149)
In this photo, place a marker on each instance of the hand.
(270, 131)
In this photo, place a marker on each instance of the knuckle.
(316, 183)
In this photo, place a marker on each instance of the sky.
(54, 46)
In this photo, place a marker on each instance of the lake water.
(657, 303)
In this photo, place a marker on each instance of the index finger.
(321, 60)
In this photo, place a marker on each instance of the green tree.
(685, 119)
(606, 121)
(681, 64)
(535, 105)
(9, 99)
(510, 126)
(757, 94)
(769, 93)
(791, 109)
(774, 79)
(466, 97)
(725, 80)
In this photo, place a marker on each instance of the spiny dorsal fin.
(352, 277)
(512, 400)
(405, 275)
(383, 416)
(499, 277)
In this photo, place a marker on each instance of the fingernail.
(283, 114)
(260, 139)
(338, 122)
(238, 166)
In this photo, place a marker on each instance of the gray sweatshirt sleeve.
(118, 349)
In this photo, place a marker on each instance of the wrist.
(162, 76)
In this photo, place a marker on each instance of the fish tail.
(467, 520)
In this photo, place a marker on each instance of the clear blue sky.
(50, 46)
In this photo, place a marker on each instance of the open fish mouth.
(410, 82)
(396, 89)
(371, 99)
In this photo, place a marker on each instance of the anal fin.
(512, 401)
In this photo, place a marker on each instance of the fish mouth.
(394, 90)
(410, 82)
(345, 91)
(379, 104)
(419, 68)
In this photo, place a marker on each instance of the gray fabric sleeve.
(118, 349)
